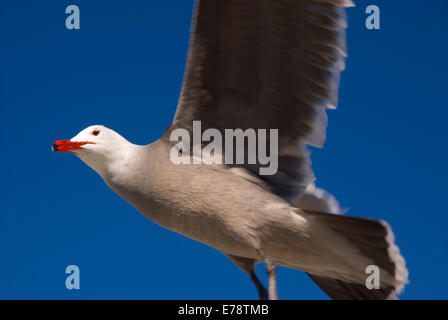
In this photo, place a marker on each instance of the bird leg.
(272, 280)
(262, 293)
(247, 265)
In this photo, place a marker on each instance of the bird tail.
(373, 237)
(372, 240)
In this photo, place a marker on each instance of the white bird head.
(96, 145)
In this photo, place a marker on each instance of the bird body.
(240, 218)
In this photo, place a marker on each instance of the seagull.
(256, 64)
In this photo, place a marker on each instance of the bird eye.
(96, 132)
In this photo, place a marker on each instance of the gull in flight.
(256, 64)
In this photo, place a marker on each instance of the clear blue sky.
(385, 155)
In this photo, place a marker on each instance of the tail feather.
(374, 240)
(340, 290)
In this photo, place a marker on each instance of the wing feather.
(266, 64)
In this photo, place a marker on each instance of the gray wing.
(266, 64)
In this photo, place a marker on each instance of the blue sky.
(385, 155)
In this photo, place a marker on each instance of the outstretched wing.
(266, 64)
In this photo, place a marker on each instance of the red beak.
(68, 145)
